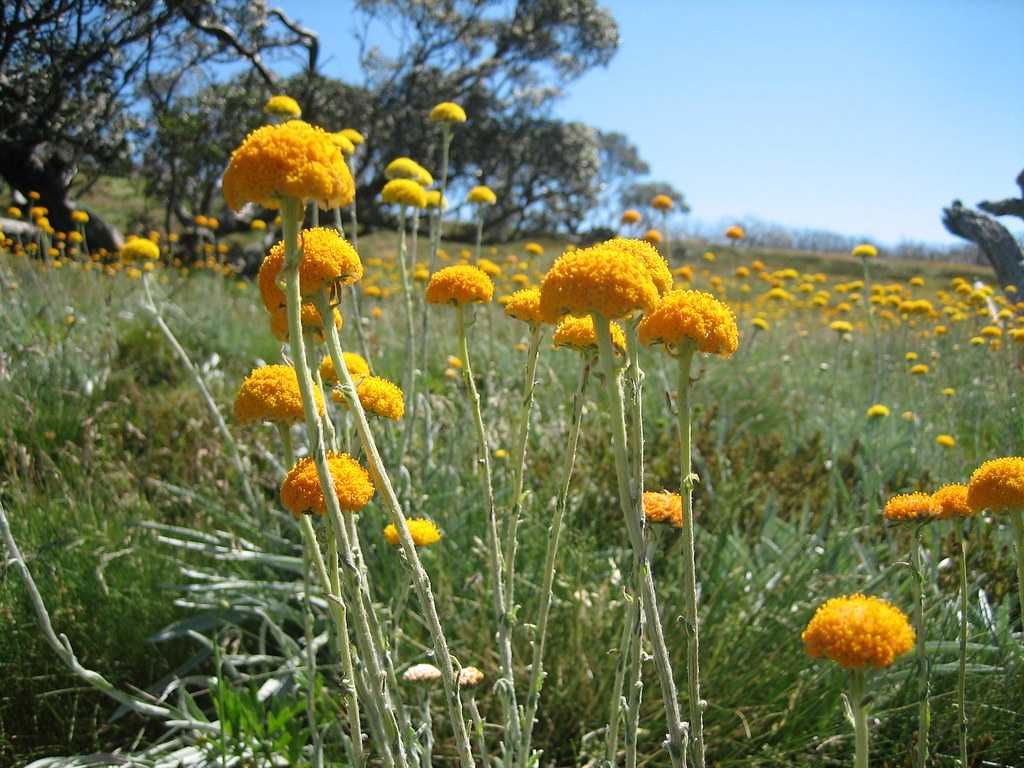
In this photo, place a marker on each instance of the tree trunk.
(25, 169)
(992, 238)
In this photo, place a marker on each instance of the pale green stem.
(507, 683)
(631, 714)
(478, 727)
(354, 218)
(617, 704)
(426, 758)
(924, 692)
(632, 510)
(411, 560)
(338, 224)
(691, 623)
(314, 214)
(318, 382)
(291, 212)
(869, 308)
(479, 232)
(537, 674)
(408, 375)
(1017, 521)
(961, 680)
(345, 649)
(859, 713)
(307, 626)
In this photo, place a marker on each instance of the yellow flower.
(257, 225)
(648, 255)
(998, 485)
(356, 364)
(353, 135)
(327, 258)
(310, 321)
(435, 200)
(403, 168)
(501, 454)
(910, 357)
(489, 267)
(602, 279)
(946, 441)
(292, 160)
(423, 532)
(991, 332)
(404, 192)
(301, 491)
(271, 393)
(341, 141)
(663, 507)
(949, 391)
(951, 501)
(282, 106)
(79, 217)
(630, 216)
(865, 251)
(454, 362)
(661, 203)
(878, 411)
(447, 112)
(524, 305)
(841, 326)
(653, 237)
(459, 284)
(535, 249)
(482, 195)
(760, 323)
(695, 316)
(857, 631)
(378, 396)
(578, 333)
(735, 232)
(919, 370)
(910, 506)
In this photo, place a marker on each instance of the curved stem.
(924, 692)
(961, 680)
(859, 712)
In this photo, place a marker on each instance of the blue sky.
(859, 117)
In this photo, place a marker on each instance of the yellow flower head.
(760, 323)
(257, 225)
(404, 192)
(998, 485)
(311, 320)
(602, 278)
(447, 112)
(578, 333)
(138, 249)
(878, 411)
(271, 393)
(735, 232)
(630, 216)
(459, 284)
(79, 217)
(841, 326)
(664, 508)
(692, 316)
(653, 237)
(857, 631)
(327, 258)
(951, 501)
(524, 305)
(865, 251)
(403, 168)
(534, 249)
(341, 141)
(356, 364)
(648, 255)
(946, 441)
(489, 267)
(292, 160)
(282, 106)
(435, 199)
(353, 135)
(423, 532)
(661, 203)
(378, 396)
(482, 195)
(905, 507)
(301, 491)
(919, 370)
(991, 332)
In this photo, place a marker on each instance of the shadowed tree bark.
(995, 241)
(1011, 206)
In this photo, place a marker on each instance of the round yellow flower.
(356, 364)
(857, 631)
(404, 192)
(341, 141)
(998, 485)
(258, 225)
(878, 411)
(353, 135)
(79, 217)
(951, 501)
(946, 441)
(139, 248)
(403, 168)
(292, 160)
(378, 396)
(841, 326)
(327, 258)
(919, 370)
(600, 279)
(910, 506)
(630, 216)
(271, 393)
(534, 249)
(489, 267)
(760, 323)
(664, 508)
(423, 532)
(482, 195)
(435, 200)
(447, 112)
(695, 316)
(301, 491)
(653, 237)
(648, 255)
(311, 321)
(661, 203)
(578, 333)
(459, 284)
(282, 106)
(865, 251)
(735, 232)
(524, 305)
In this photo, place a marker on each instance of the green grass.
(101, 424)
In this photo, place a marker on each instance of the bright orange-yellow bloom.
(524, 305)
(997, 485)
(878, 411)
(447, 112)
(653, 237)
(951, 501)
(663, 507)
(661, 203)
(378, 396)
(353, 135)
(534, 249)
(841, 326)
(648, 255)
(578, 333)
(459, 284)
(404, 192)
(735, 232)
(282, 106)
(292, 160)
(906, 507)
(482, 195)
(946, 441)
(271, 393)
(327, 258)
(602, 279)
(311, 321)
(630, 216)
(857, 631)
(138, 249)
(692, 316)
(301, 491)
(423, 532)
(865, 251)
(356, 364)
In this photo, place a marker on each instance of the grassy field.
(103, 430)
